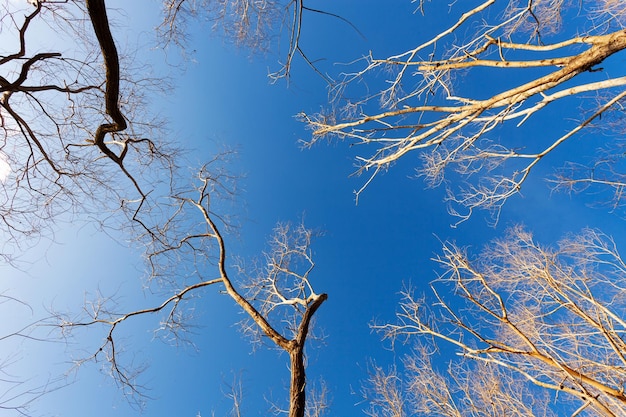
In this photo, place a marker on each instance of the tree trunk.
(297, 394)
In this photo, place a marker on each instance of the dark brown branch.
(100, 22)
(23, 30)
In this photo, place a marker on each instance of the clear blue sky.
(368, 251)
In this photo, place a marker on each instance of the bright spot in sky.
(5, 168)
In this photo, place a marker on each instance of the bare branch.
(463, 131)
(550, 317)
(284, 294)
(50, 105)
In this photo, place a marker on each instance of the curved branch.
(100, 22)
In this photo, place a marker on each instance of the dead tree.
(73, 139)
(533, 328)
(416, 102)
(278, 298)
(73, 131)
(252, 24)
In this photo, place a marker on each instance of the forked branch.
(291, 299)
(550, 317)
(465, 131)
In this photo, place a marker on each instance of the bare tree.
(278, 299)
(258, 25)
(419, 100)
(76, 126)
(73, 127)
(421, 388)
(70, 130)
(73, 139)
(522, 319)
(247, 23)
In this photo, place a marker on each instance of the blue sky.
(366, 254)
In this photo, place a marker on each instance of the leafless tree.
(73, 129)
(522, 319)
(75, 126)
(74, 138)
(421, 102)
(278, 299)
(246, 22)
(421, 388)
(257, 25)
(72, 135)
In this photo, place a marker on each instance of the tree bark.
(297, 391)
(99, 20)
